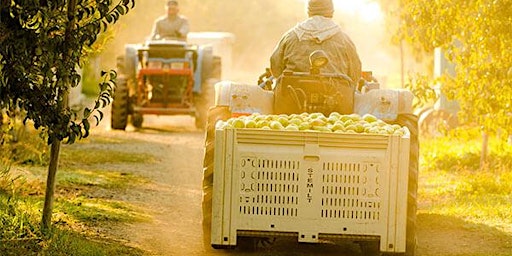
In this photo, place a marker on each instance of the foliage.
(23, 145)
(42, 44)
(421, 86)
(476, 37)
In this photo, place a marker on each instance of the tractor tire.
(206, 98)
(214, 114)
(370, 248)
(120, 104)
(137, 120)
(411, 122)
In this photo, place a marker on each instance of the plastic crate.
(313, 185)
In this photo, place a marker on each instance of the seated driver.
(318, 32)
(171, 26)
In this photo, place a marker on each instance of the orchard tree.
(42, 42)
(476, 37)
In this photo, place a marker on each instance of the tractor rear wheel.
(214, 114)
(120, 104)
(206, 98)
(411, 122)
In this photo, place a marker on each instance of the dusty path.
(173, 199)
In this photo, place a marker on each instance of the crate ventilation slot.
(350, 191)
(268, 187)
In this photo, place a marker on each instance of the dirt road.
(172, 197)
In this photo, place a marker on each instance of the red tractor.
(164, 78)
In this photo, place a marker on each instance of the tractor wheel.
(137, 120)
(120, 104)
(207, 96)
(411, 122)
(214, 114)
(436, 122)
(370, 248)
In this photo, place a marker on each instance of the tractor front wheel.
(137, 120)
(120, 104)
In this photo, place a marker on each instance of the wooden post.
(485, 146)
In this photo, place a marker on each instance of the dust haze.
(257, 26)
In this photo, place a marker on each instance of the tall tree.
(41, 45)
(476, 37)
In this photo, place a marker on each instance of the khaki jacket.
(316, 33)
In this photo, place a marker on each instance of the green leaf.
(87, 126)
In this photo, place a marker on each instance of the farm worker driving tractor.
(318, 32)
(172, 25)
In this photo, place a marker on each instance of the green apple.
(296, 121)
(317, 122)
(276, 125)
(238, 123)
(292, 127)
(304, 126)
(283, 120)
(338, 126)
(369, 118)
(249, 123)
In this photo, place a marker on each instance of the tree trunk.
(55, 146)
(50, 186)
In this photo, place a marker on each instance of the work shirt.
(170, 28)
(316, 33)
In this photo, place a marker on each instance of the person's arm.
(184, 29)
(354, 63)
(277, 58)
(155, 31)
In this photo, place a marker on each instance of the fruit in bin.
(276, 125)
(292, 127)
(304, 126)
(296, 121)
(338, 126)
(369, 118)
(249, 123)
(354, 117)
(262, 123)
(238, 123)
(283, 120)
(322, 128)
(333, 119)
(315, 122)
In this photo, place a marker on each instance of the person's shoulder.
(182, 17)
(161, 18)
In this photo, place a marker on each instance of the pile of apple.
(315, 122)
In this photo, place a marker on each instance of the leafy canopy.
(41, 45)
(476, 36)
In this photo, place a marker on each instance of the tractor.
(164, 77)
(259, 185)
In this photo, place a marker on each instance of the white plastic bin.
(311, 185)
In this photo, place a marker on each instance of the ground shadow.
(447, 235)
